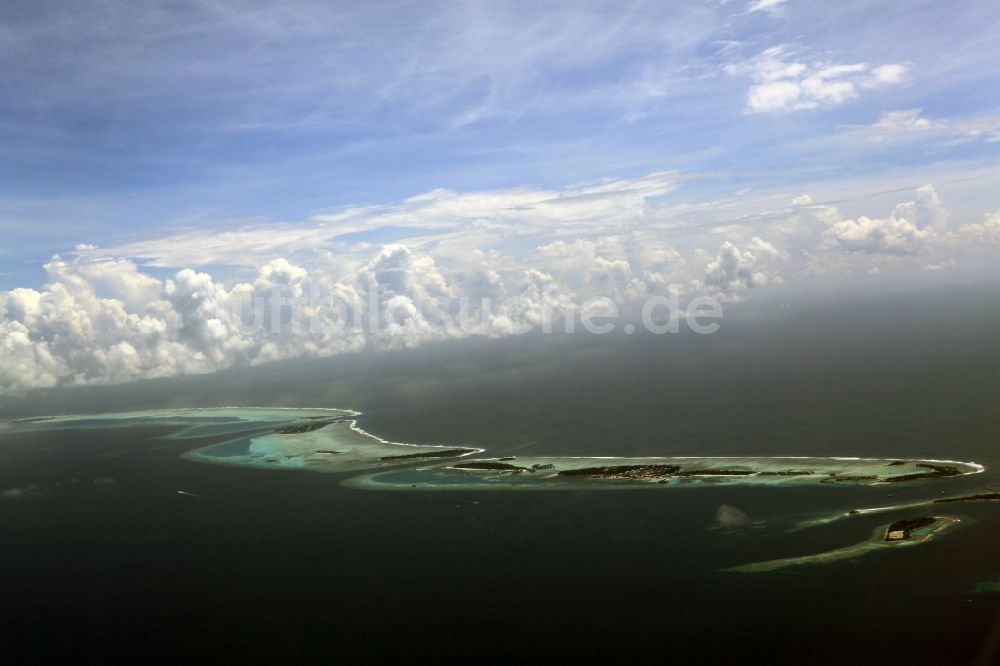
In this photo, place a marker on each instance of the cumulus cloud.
(733, 270)
(891, 235)
(100, 320)
(986, 232)
(907, 230)
(487, 263)
(105, 320)
(783, 83)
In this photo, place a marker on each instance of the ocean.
(103, 557)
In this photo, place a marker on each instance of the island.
(555, 473)
(988, 496)
(899, 534)
(980, 497)
(330, 440)
(421, 455)
(908, 527)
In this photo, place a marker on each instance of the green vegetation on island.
(491, 466)
(623, 471)
(445, 453)
(982, 497)
(903, 529)
(936, 471)
(310, 426)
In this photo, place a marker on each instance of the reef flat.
(975, 497)
(553, 473)
(902, 533)
(329, 440)
(336, 446)
(322, 440)
(190, 423)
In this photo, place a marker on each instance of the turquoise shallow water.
(103, 554)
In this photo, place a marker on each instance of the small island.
(631, 472)
(827, 519)
(308, 426)
(443, 453)
(935, 472)
(899, 534)
(981, 497)
(905, 529)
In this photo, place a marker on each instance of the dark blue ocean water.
(102, 555)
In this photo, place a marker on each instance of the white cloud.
(889, 74)
(536, 254)
(784, 84)
(891, 235)
(897, 123)
(734, 270)
(771, 6)
(432, 218)
(986, 232)
(104, 320)
(907, 230)
(99, 320)
(911, 123)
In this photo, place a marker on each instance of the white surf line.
(176, 411)
(882, 509)
(349, 412)
(804, 524)
(356, 428)
(184, 492)
(977, 466)
(353, 424)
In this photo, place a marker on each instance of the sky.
(163, 162)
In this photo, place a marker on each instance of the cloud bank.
(490, 263)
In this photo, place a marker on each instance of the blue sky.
(123, 119)
(745, 144)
